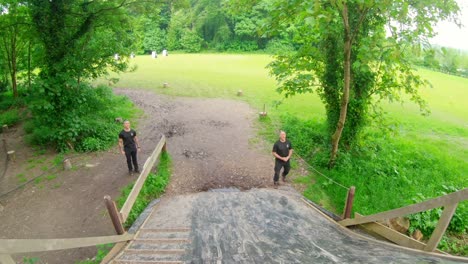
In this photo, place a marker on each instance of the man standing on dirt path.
(282, 150)
(129, 146)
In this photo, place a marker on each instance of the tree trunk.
(347, 83)
(14, 82)
(29, 65)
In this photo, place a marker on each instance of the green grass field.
(425, 155)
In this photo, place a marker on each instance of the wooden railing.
(16, 246)
(449, 202)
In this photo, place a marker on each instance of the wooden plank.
(154, 251)
(114, 252)
(393, 235)
(127, 207)
(166, 230)
(448, 199)
(14, 246)
(161, 240)
(442, 225)
(148, 262)
(6, 259)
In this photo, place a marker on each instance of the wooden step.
(161, 240)
(147, 262)
(166, 230)
(153, 251)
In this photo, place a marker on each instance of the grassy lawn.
(427, 154)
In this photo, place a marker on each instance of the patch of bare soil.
(208, 140)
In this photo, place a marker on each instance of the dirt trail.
(207, 138)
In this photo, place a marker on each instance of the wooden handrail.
(127, 207)
(14, 246)
(445, 200)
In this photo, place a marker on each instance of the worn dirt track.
(208, 139)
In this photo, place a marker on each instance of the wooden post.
(67, 164)
(444, 221)
(264, 113)
(114, 215)
(239, 93)
(4, 144)
(11, 155)
(165, 85)
(349, 203)
(4, 128)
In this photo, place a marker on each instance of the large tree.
(352, 53)
(79, 40)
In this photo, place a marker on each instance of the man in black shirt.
(128, 143)
(282, 150)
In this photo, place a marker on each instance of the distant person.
(132, 55)
(164, 53)
(282, 150)
(154, 55)
(129, 146)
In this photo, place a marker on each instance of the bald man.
(282, 150)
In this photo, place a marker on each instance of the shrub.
(190, 41)
(10, 117)
(427, 221)
(87, 125)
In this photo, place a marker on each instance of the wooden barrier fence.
(449, 202)
(15, 246)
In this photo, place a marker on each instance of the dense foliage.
(196, 25)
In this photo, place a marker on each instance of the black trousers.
(131, 155)
(281, 164)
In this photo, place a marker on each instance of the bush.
(427, 221)
(86, 123)
(10, 117)
(190, 41)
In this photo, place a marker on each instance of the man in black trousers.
(129, 146)
(282, 150)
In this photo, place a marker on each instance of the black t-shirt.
(128, 138)
(282, 148)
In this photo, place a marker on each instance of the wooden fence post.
(114, 215)
(349, 203)
(442, 225)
